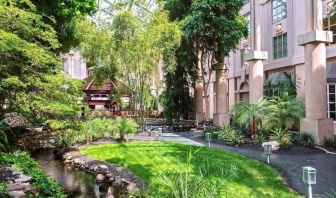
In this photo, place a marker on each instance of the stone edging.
(104, 172)
(325, 150)
(19, 183)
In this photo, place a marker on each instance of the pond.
(76, 183)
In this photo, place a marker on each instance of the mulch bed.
(294, 150)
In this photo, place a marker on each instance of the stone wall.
(34, 139)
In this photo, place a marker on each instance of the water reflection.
(77, 184)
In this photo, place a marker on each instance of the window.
(279, 10)
(329, 24)
(246, 1)
(280, 46)
(331, 101)
(248, 19)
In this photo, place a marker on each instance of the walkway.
(291, 165)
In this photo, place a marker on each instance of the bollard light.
(208, 138)
(268, 150)
(309, 177)
(159, 132)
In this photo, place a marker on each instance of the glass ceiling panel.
(107, 9)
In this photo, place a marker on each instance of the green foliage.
(283, 137)
(152, 160)
(231, 136)
(3, 188)
(124, 126)
(130, 50)
(3, 137)
(284, 112)
(306, 140)
(46, 186)
(67, 138)
(249, 115)
(62, 15)
(97, 128)
(182, 183)
(282, 88)
(330, 142)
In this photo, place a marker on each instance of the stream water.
(76, 183)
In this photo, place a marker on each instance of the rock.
(67, 161)
(110, 193)
(275, 145)
(14, 120)
(111, 180)
(131, 187)
(119, 169)
(109, 175)
(100, 178)
(76, 161)
(19, 187)
(17, 194)
(118, 182)
(103, 169)
(23, 179)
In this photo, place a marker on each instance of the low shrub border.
(46, 186)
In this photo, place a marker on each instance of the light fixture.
(159, 132)
(268, 150)
(208, 138)
(309, 177)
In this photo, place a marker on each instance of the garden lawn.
(152, 159)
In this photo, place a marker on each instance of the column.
(314, 41)
(255, 57)
(199, 110)
(221, 117)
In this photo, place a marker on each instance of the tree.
(130, 50)
(214, 28)
(62, 16)
(26, 45)
(124, 126)
(250, 115)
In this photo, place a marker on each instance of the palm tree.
(124, 126)
(250, 115)
(284, 112)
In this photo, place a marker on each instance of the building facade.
(285, 36)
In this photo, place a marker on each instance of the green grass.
(150, 160)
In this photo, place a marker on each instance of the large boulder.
(16, 120)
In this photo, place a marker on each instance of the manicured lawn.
(149, 160)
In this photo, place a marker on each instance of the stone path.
(290, 165)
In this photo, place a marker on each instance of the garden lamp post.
(160, 132)
(309, 177)
(208, 138)
(268, 150)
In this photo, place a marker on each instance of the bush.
(282, 137)
(231, 136)
(213, 130)
(124, 126)
(97, 128)
(330, 142)
(46, 186)
(67, 138)
(307, 140)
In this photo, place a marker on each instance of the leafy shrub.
(330, 142)
(231, 136)
(182, 183)
(97, 128)
(67, 138)
(46, 186)
(214, 131)
(282, 137)
(307, 140)
(124, 126)
(3, 188)
(3, 137)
